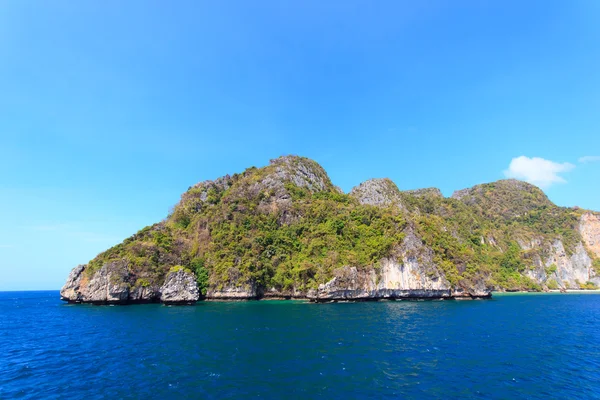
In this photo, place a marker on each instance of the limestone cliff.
(285, 231)
(180, 287)
(409, 272)
(114, 284)
(589, 228)
(558, 244)
(108, 285)
(569, 271)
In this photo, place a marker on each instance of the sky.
(109, 110)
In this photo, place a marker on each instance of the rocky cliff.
(377, 192)
(589, 227)
(115, 284)
(285, 231)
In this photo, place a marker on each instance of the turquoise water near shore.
(513, 346)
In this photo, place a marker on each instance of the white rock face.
(571, 270)
(180, 287)
(107, 285)
(70, 290)
(112, 284)
(395, 281)
(233, 292)
(589, 227)
(408, 275)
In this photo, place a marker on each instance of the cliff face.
(107, 285)
(589, 228)
(180, 287)
(558, 244)
(377, 192)
(409, 272)
(114, 284)
(569, 271)
(285, 231)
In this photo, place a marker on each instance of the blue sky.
(109, 110)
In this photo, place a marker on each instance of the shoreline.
(286, 298)
(340, 300)
(554, 291)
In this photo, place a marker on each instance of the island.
(285, 231)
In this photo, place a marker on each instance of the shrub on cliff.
(197, 264)
(552, 284)
(588, 286)
(596, 265)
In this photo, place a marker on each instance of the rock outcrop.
(112, 284)
(70, 290)
(232, 291)
(144, 293)
(108, 285)
(301, 172)
(180, 287)
(271, 183)
(377, 192)
(426, 192)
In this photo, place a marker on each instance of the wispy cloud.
(538, 171)
(588, 159)
(6, 246)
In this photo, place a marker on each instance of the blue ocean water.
(513, 346)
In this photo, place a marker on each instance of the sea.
(514, 346)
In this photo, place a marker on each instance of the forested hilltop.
(285, 230)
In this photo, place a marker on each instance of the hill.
(285, 231)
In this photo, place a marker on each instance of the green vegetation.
(286, 226)
(197, 265)
(469, 244)
(232, 230)
(325, 231)
(551, 269)
(142, 282)
(552, 284)
(588, 286)
(178, 268)
(596, 265)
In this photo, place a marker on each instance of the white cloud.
(538, 171)
(589, 159)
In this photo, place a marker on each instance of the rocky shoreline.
(409, 297)
(399, 278)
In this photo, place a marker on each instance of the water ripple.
(529, 347)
